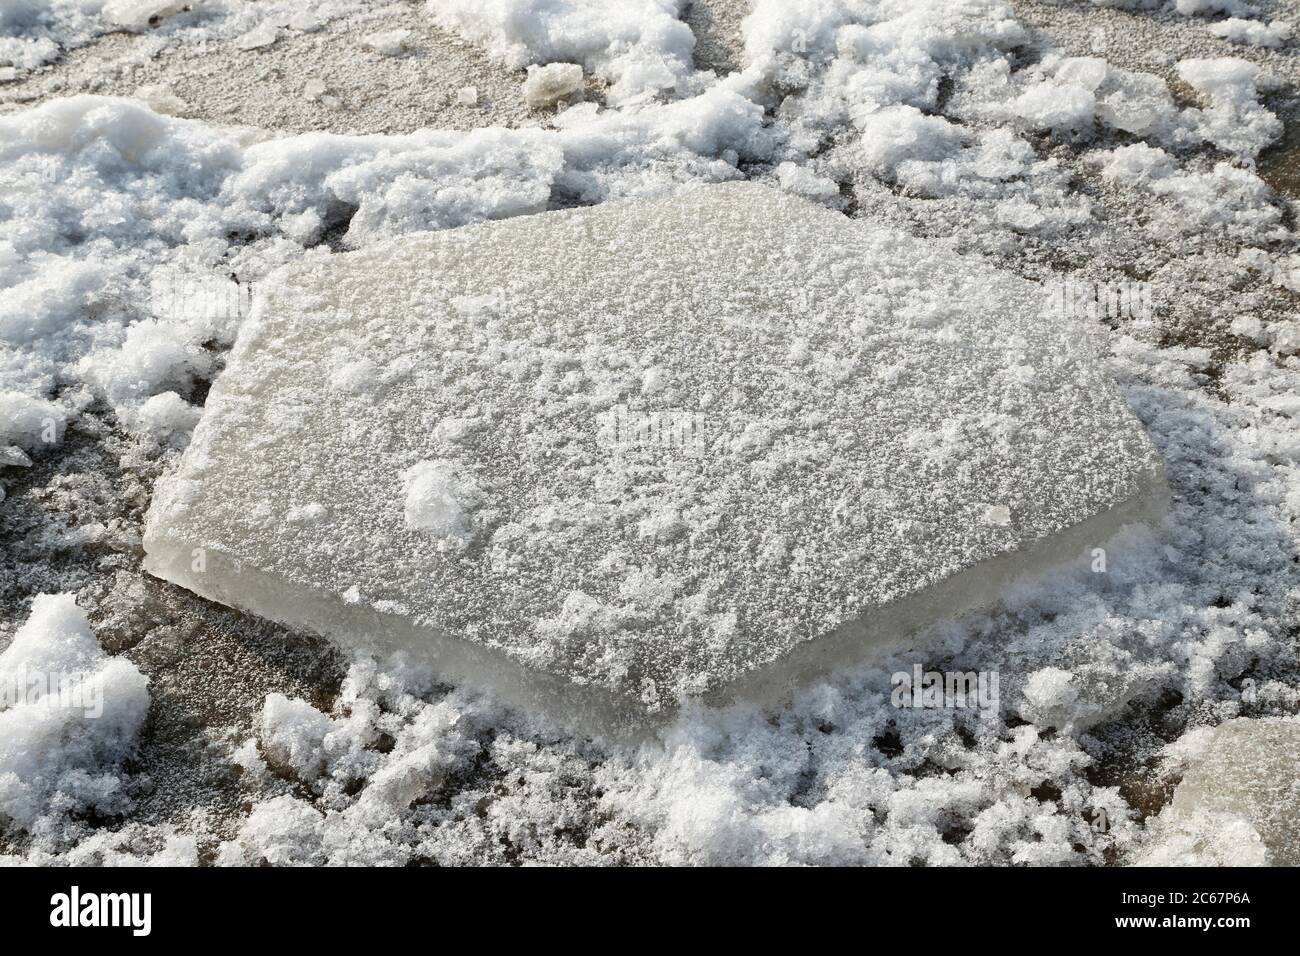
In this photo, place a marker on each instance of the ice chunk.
(387, 43)
(1252, 32)
(165, 418)
(142, 14)
(30, 423)
(797, 425)
(260, 36)
(467, 96)
(1235, 121)
(1244, 779)
(547, 85)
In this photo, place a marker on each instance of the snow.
(35, 32)
(639, 46)
(1235, 121)
(539, 517)
(438, 499)
(1252, 32)
(69, 716)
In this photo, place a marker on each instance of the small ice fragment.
(166, 418)
(547, 85)
(258, 37)
(8, 74)
(304, 21)
(142, 14)
(159, 98)
(998, 515)
(467, 96)
(11, 456)
(576, 115)
(802, 181)
(314, 89)
(387, 43)
(1088, 72)
(306, 514)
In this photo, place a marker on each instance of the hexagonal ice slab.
(604, 459)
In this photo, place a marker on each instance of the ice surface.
(1243, 780)
(701, 445)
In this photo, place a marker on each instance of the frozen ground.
(1167, 158)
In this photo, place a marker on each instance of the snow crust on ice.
(69, 717)
(132, 186)
(499, 364)
(439, 498)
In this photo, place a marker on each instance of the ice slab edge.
(596, 710)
